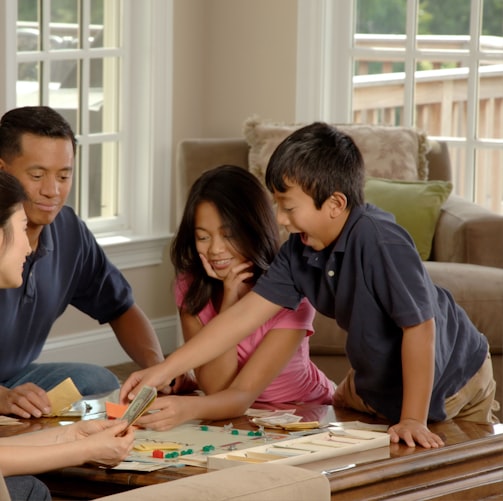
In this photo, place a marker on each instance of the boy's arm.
(218, 336)
(418, 368)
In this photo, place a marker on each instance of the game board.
(194, 442)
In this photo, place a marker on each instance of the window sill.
(134, 252)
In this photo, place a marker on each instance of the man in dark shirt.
(67, 266)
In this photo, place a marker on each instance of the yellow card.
(62, 397)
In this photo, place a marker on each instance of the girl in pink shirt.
(227, 237)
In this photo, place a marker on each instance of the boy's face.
(296, 211)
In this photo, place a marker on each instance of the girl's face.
(14, 251)
(215, 241)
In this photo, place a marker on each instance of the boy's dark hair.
(37, 120)
(12, 194)
(245, 208)
(321, 159)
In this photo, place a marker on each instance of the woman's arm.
(217, 374)
(51, 449)
(265, 364)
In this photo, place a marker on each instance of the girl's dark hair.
(245, 207)
(321, 159)
(37, 120)
(12, 195)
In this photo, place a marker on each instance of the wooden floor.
(122, 371)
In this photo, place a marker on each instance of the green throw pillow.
(415, 205)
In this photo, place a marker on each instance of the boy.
(414, 353)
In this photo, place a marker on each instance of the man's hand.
(26, 400)
(412, 431)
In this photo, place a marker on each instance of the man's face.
(45, 169)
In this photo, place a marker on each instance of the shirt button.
(331, 273)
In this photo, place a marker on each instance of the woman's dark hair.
(12, 194)
(37, 120)
(245, 207)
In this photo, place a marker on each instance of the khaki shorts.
(474, 402)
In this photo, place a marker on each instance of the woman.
(226, 239)
(31, 453)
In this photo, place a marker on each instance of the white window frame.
(325, 55)
(145, 126)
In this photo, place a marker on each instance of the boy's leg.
(89, 379)
(345, 395)
(27, 488)
(475, 401)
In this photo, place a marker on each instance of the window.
(437, 66)
(87, 59)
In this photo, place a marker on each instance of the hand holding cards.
(140, 404)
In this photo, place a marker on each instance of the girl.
(226, 239)
(62, 446)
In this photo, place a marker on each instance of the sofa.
(247, 482)
(466, 254)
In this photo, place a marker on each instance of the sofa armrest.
(468, 233)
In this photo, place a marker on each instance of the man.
(66, 266)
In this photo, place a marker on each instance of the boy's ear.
(337, 203)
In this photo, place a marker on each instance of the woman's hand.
(412, 431)
(110, 445)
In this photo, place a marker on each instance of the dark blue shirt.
(69, 267)
(373, 282)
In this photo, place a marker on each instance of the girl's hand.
(169, 412)
(235, 286)
(412, 431)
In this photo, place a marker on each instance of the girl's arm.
(266, 363)
(418, 369)
(217, 374)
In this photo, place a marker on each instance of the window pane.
(441, 98)
(381, 16)
(105, 23)
(64, 90)
(27, 85)
(28, 30)
(489, 179)
(490, 105)
(446, 17)
(103, 95)
(492, 18)
(103, 180)
(378, 98)
(64, 27)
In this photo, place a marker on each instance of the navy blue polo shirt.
(69, 267)
(373, 282)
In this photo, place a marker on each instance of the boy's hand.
(412, 431)
(154, 376)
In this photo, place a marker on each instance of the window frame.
(145, 126)
(325, 55)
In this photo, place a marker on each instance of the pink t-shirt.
(300, 380)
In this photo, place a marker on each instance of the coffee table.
(470, 466)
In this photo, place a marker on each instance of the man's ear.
(337, 203)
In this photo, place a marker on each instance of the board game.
(216, 447)
(305, 449)
(192, 444)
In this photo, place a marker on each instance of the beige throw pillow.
(388, 152)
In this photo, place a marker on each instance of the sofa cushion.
(248, 482)
(388, 152)
(415, 204)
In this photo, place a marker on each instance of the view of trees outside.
(436, 17)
